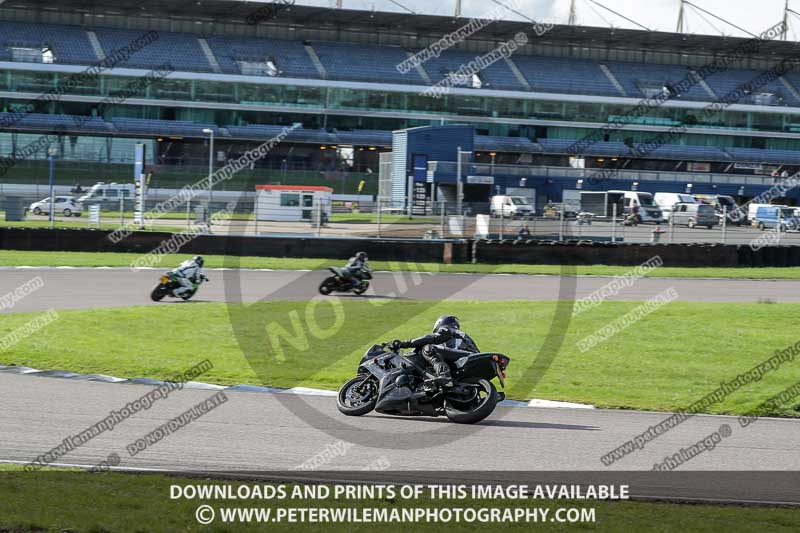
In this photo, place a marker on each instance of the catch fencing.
(235, 213)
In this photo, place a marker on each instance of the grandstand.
(334, 71)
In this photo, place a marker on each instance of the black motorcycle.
(342, 282)
(168, 284)
(395, 384)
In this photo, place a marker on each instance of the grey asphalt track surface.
(256, 432)
(82, 288)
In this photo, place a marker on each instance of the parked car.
(553, 210)
(64, 205)
(775, 216)
(511, 206)
(667, 200)
(693, 215)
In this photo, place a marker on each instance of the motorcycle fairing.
(480, 365)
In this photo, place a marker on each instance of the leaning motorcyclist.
(188, 273)
(357, 268)
(446, 336)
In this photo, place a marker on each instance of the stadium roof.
(235, 11)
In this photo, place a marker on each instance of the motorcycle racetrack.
(256, 432)
(87, 288)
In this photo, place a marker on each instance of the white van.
(752, 208)
(647, 207)
(666, 201)
(511, 206)
(108, 194)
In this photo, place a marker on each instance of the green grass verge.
(89, 259)
(669, 359)
(78, 501)
(97, 259)
(79, 223)
(339, 218)
(372, 218)
(175, 215)
(44, 223)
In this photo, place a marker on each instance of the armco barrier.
(606, 253)
(84, 240)
(490, 252)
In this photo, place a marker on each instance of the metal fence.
(230, 214)
(241, 214)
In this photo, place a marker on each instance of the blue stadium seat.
(688, 153)
(161, 127)
(523, 145)
(373, 63)
(377, 64)
(565, 75)
(634, 76)
(618, 149)
(727, 82)
(44, 122)
(365, 137)
(182, 50)
(497, 76)
(354, 137)
(137, 126)
(757, 155)
(291, 56)
(70, 43)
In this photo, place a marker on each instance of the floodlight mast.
(682, 18)
(700, 11)
(786, 12)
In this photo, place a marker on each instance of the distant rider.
(446, 336)
(357, 268)
(189, 273)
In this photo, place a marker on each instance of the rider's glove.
(396, 344)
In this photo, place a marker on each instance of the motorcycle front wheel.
(475, 409)
(158, 293)
(362, 289)
(358, 396)
(327, 286)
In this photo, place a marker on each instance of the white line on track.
(301, 391)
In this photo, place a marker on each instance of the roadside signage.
(139, 179)
(94, 215)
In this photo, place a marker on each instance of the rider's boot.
(445, 382)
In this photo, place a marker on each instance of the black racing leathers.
(434, 346)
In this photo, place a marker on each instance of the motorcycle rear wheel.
(476, 410)
(352, 402)
(327, 286)
(188, 296)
